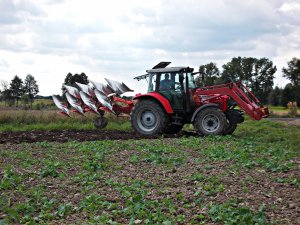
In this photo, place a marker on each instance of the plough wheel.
(100, 122)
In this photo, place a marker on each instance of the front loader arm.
(241, 95)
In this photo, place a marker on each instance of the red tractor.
(173, 100)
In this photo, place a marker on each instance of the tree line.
(19, 90)
(258, 75)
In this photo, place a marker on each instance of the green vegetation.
(283, 112)
(26, 120)
(251, 177)
(278, 109)
(231, 213)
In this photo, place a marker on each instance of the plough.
(97, 98)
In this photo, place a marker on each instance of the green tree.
(5, 93)
(263, 79)
(31, 89)
(71, 79)
(292, 72)
(296, 90)
(208, 74)
(288, 94)
(3, 87)
(25, 99)
(16, 88)
(275, 96)
(257, 74)
(238, 69)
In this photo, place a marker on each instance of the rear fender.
(203, 107)
(158, 98)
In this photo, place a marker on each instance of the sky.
(120, 39)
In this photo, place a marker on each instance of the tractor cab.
(175, 84)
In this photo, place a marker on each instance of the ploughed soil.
(94, 135)
(78, 135)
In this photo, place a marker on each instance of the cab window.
(152, 83)
(191, 81)
(169, 81)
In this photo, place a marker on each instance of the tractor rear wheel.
(148, 118)
(210, 121)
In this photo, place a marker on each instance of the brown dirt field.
(78, 135)
(94, 135)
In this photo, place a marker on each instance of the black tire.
(101, 112)
(231, 126)
(101, 122)
(148, 118)
(210, 121)
(233, 118)
(173, 129)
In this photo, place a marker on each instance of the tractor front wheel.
(148, 118)
(210, 121)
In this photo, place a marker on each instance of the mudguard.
(158, 97)
(203, 107)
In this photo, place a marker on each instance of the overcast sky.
(121, 39)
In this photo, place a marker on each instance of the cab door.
(174, 90)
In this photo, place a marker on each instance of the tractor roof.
(170, 70)
(162, 68)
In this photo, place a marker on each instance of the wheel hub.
(210, 123)
(148, 119)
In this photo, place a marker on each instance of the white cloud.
(290, 7)
(18, 11)
(121, 39)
